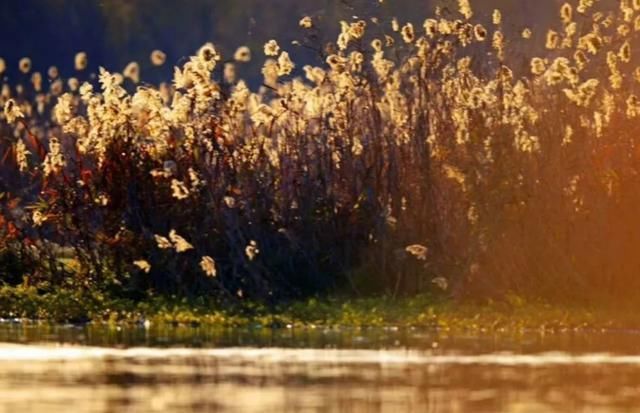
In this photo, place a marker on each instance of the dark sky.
(114, 32)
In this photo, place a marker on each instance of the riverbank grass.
(423, 311)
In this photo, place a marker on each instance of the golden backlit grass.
(411, 159)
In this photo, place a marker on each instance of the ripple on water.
(241, 379)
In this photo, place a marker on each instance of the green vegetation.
(422, 311)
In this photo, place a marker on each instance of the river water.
(45, 368)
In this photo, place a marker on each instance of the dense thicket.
(414, 159)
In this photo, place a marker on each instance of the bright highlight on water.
(385, 358)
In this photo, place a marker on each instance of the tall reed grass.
(412, 159)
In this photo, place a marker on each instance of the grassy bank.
(424, 311)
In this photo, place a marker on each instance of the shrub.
(413, 159)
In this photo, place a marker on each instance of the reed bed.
(411, 159)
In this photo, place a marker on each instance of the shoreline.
(513, 315)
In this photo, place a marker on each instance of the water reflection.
(102, 369)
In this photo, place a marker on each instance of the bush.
(407, 162)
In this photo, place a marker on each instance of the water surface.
(47, 368)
